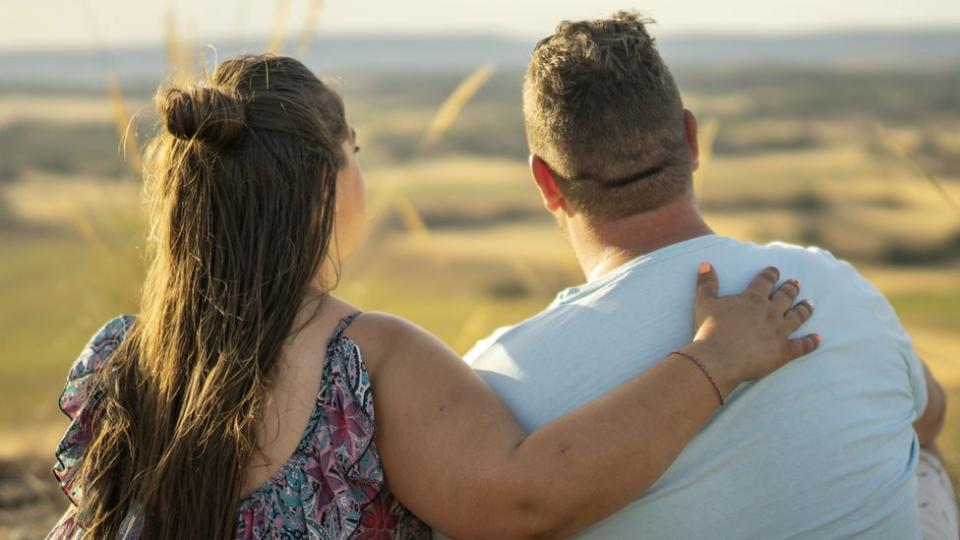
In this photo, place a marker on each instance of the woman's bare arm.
(456, 456)
(929, 426)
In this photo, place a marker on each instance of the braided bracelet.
(705, 372)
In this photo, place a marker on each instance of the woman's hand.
(746, 336)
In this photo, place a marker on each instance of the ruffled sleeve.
(79, 402)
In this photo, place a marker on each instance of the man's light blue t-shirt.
(824, 448)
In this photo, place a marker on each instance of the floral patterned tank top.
(331, 487)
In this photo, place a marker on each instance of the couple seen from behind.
(686, 390)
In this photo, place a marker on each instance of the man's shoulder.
(738, 262)
(809, 256)
(843, 293)
(796, 261)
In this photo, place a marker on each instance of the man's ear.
(552, 197)
(690, 121)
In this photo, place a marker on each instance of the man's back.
(821, 449)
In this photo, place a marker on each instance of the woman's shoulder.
(384, 337)
(384, 326)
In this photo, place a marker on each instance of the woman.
(239, 402)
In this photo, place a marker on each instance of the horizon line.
(495, 34)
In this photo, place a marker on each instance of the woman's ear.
(690, 123)
(552, 197)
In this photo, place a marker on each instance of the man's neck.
(604, 246)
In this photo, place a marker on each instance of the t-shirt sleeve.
(889, 322)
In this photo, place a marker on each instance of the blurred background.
(828, 123)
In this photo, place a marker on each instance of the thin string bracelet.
(705, 372)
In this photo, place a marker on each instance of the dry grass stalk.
(82, 225)
(904, 155)
(411, 216)
(475, 326)
(181, 52)
(413, 221)
(448, 113)
(391, 196)
(124, 123)
(314, 10)
(278, 35)
(170, 38)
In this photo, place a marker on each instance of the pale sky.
(87, 23)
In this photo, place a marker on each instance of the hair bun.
(203, 113)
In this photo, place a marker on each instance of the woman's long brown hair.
(242, 203)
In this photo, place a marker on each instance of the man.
(825, 448)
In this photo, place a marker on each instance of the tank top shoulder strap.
(343, 324)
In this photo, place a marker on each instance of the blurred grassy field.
(458, 241)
